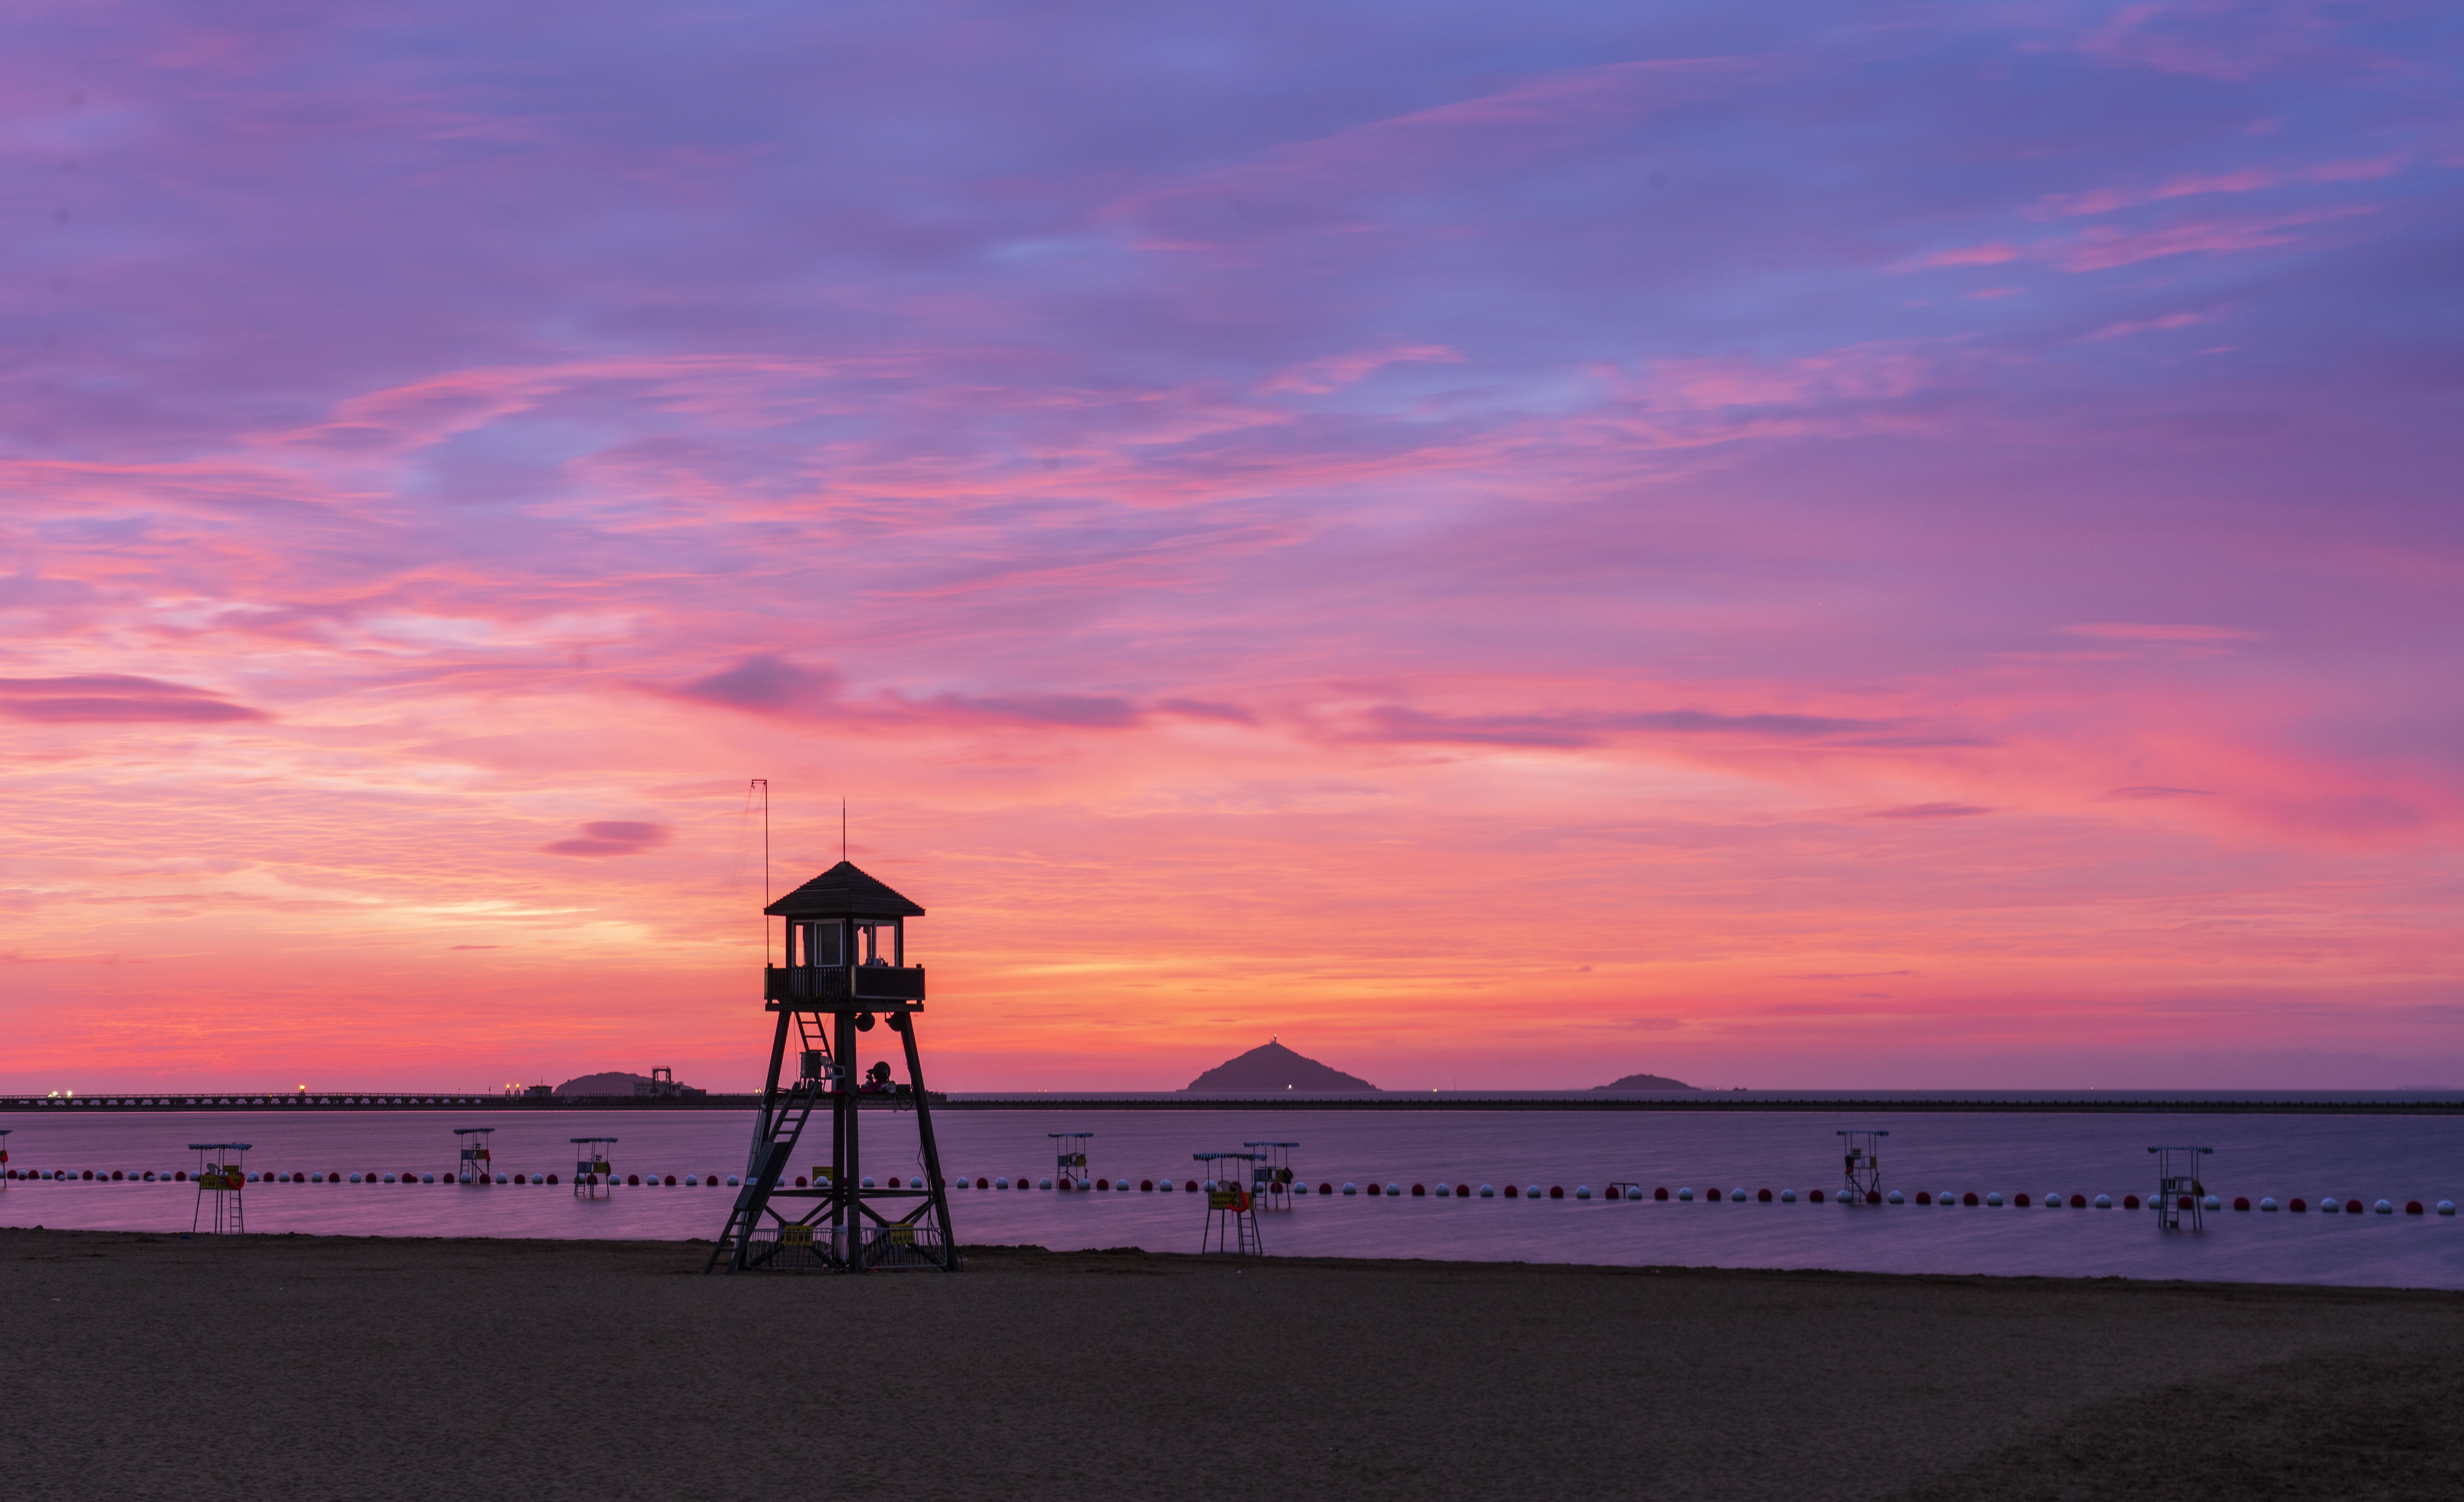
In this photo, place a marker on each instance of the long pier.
(1728, 1102)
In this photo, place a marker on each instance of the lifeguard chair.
(846, 970)
(5, 1174)
(1270, 1176)
(1069, 1160)
(1231, 1209)
(2179, 1193)
(221, 1173)
(591, 1175)
(1862, 1165)
(478, 1163)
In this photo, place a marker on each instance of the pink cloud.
(1333, 372)
(1994, 253)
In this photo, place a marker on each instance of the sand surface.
(292, 1366)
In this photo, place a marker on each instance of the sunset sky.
(1794, 545)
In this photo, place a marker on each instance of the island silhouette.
(1270, 1067)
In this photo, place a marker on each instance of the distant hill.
(616, 1082)
(1638, 1084)
(1271, 1068)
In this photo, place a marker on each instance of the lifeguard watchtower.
(2178, 1190)
(1862, 1165)
(1231, 1209)
(591, 1175)
(1069, 1160)
(478, 1164)
(1270, 1176)
(221, 1172)
(846, 970)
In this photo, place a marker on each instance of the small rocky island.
(1272, 1069)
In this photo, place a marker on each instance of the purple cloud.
(116, 699)
(766, 684)
(612, 837)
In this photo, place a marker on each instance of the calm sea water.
(2365, 1157)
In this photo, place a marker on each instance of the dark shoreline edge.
(1028, 1256)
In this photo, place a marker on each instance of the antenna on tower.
(763, 784)
(842, 828)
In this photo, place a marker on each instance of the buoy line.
(1620, 1192)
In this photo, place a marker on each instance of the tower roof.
(843, 892)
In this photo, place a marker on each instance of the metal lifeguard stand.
(1069, 1160)
(845, 969)
(591, 1175)
(1231, 1209)
(2178, 1190)
(1862, 1165)
(220, 1173)
(478, 1164)
(1270, 1176)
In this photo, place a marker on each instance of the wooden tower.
(845, 969)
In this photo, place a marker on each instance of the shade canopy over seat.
(843, 892)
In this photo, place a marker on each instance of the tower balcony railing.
(840, 983)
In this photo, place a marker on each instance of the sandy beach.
(295, 1366)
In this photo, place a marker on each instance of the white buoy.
(1532, 1193)
(1489, 1192)
(2329, 1205)
(2382, 1207)
(2052, 1202)
(1394, 1189)
(1893, 1198)
(1993, 1199)
(1685, 1193)
(1738, 1195)
(1044, 1183)
(1348, 1188)
(2105, 1202)
(2268, 1205)
(2446, 1206)
(1582, 1191)
(1788, 1197)
(2211, 1202)
(1441, 1191)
